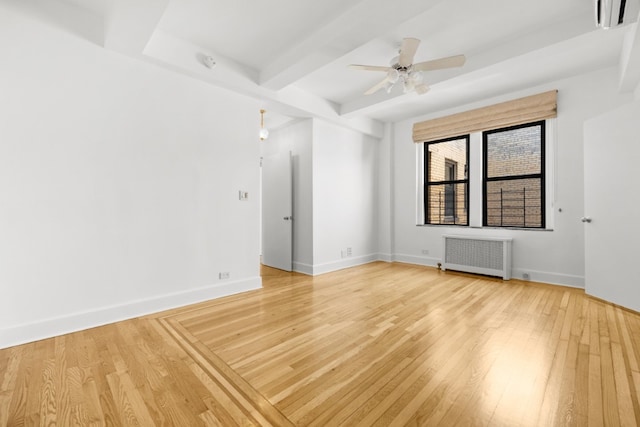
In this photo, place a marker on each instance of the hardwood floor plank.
(596, 414)
(34, 379)
(556, 352)
(8, 378)
(582, 385)
(623, 390)
(609, 395)
(90, 397)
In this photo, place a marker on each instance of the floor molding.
(248, 399)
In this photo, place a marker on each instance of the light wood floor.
(380, 344)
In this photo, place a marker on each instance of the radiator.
(482, 255)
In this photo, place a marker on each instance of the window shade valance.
(518, 111)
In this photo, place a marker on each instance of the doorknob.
(585, 219)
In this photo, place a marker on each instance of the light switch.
(243, 195)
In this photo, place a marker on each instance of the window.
(505, 176)
(446, 181)
(513, 178)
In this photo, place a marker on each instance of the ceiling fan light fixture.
(422, 88)
(408, 85)
(392, 76)
(388, 87)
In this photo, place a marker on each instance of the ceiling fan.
(404, 70)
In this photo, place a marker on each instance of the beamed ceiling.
(293, 54)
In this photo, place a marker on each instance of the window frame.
(426, 183)
(541, 175)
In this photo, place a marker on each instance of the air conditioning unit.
(610, 13)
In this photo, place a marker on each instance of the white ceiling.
(293, 54)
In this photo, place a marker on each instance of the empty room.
(327, 213)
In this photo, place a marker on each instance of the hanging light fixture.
(264, 133)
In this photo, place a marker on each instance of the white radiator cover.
(482, 255)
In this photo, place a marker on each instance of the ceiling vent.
(609, 13)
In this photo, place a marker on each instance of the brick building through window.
(446, 183)
(513, 184)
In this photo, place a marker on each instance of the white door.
(277, 219)
(612, 206)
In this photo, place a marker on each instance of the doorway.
(277, 210)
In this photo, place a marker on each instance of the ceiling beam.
(185, 57)
(129, 24)
(367, 20)
(630, 60)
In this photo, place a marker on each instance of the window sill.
(485, 228)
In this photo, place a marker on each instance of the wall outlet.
(425, 252)
(223, 275)
(349, 253)
(243, 195)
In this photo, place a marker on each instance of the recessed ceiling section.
(339, 84)
(250, 32)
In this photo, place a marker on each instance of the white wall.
(118, 185)
(548, 256)
(345, 188)
(385, 206)
(296, 138)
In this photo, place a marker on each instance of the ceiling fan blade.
(377, 87)
(438, 64)
(408, 51)
(369, 67)
(422, 88)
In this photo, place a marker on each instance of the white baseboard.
(48, 328)
(343, 263)
(385, 257)
(328, 267)
(300, 267)
(418, 260)
(550, 278)
(534, 275)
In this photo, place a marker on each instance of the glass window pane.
(514, 152)
(514, 203)
(447, 160)
(447, 204)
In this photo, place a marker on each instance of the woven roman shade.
(510, 113)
